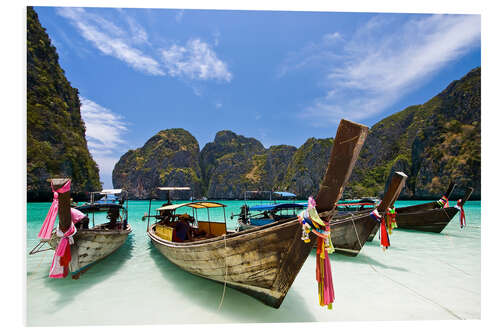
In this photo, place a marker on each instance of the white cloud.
(128, 42)
(104, 130)
(179, 15)
(110, 39)
(195, 60)
(332, 37)
(383, 60)
(139, 35)
(218, 105)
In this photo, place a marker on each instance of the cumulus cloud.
(104, 132)
(383, 60)
(195, 60)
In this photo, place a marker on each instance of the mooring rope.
(356, 230)
(416, 293)
(401, 284)
(37, 266)
(446, 213)
(225, 274)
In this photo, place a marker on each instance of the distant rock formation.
(233, 164)
(170, 158)
(307, 167)
(56, 144)
(432, 143)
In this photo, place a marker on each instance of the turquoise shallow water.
(421, 276)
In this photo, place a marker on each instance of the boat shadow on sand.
(69, 289)
(237, 306)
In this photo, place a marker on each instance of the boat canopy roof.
(357, 201)
(279, 206)
(285, 194)
(169, 188)
(111, 191)
(196, 204)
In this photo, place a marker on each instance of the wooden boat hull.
(434, 220)
(92, 245)
(262, 262)
(431, 220)
(350, 232)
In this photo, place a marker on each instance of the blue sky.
(280, 77)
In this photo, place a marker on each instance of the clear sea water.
(421, 276)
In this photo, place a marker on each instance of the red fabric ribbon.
(62, 256)
(384, 236)
(460, 206)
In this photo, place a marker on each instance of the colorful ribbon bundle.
(311, 221)
(460, 206)
(62, 256)
(391, 219)
(443, 202)
(384, 236)
(48, 224)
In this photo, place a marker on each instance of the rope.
(225, 275)
(416, 293)
(37, 266)
(401, 284)
(356, 230)
(446, 213)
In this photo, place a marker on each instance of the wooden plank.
(345, 151)
(467, 195)
(450, 189)
(397, 183)
(63, 211)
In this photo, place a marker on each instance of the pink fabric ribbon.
(62, 256)
(328, 291)
(48, 224)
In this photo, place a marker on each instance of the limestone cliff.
(432, 143)
(169, 158)
(56, 144)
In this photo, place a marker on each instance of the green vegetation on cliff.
(56, 144)
(307, 167)
(231, 164)
(170, 158)
(433, 143)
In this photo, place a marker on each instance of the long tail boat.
(263, 261)
(90, 244)
(431, 216)
(350, 231)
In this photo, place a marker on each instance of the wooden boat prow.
(264, 261)
(350, 232)
(89, 244)
(429, 216)
(92, 245)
